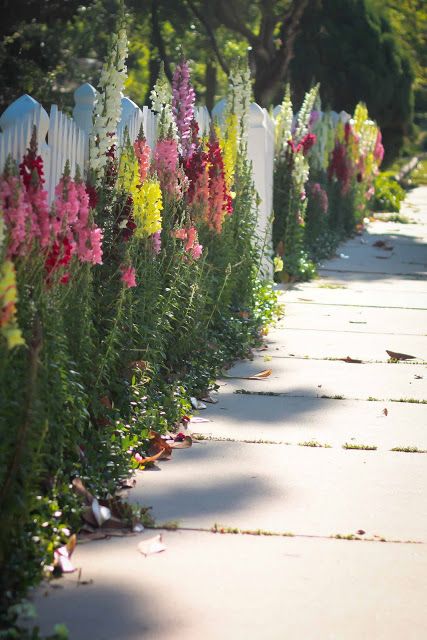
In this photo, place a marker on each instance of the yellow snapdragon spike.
(360, 117)
(230, 151)
(147, 208)
(8, 299)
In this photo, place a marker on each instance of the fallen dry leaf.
(157, 443)
(385, 412)
(383, 245)
(210, 399)
(261, 375)
(79, 488)
(399, 356)
(152, 545)
(185, 443)
(351, 360)
(101, 513)
(198, 419)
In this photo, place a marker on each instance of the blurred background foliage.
(370, 50)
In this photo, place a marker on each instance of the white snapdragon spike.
(108, 107)
(240, 96)
(300, 172)
(305, 113)
(161, 103)
(284, 122)
(324, 129)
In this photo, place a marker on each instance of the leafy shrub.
(388, 193)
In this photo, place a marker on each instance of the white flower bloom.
(161, 103)
(240, 96)
(108, 107)
(305, 113)
(284, 122)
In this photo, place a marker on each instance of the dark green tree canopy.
(355, 56)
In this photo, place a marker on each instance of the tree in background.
(356, 49)
(355, 55)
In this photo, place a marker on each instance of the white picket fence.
(61, 139)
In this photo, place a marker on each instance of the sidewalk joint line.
(225, 530)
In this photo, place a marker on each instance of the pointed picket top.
(219, 110)
(85, 98)
(256, 115)
(276, 110)
(26, 108)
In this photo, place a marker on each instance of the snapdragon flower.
(107, 112)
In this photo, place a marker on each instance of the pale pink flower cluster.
(165, 163)
(320, 194)
(71, 220)
(142, 152)
(128, 276)
(156, 242)
(26, 214)
(190, 238)
(183, 106)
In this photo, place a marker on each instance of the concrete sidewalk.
(307, 454)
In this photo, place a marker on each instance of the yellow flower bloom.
(147, 197)
(228, 143)
(147, 208)
(8, 299)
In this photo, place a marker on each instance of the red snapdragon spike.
(307, 142)
(31, 167)
(93, 196)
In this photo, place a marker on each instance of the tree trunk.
(211, 83)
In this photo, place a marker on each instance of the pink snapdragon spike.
(314, 119)
(165, 163)
(197, 251)
(220, 202)
(31, 170)
(322, 197)
(379, 149)
(142, 152)
(156, 242)
(128, 276)
(183, 106)
(18, 215)
(190, 237)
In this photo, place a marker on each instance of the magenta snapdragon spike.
(183, 106)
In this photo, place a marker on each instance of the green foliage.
(355, 56)
(388, 193)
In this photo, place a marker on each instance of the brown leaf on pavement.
(79, 488)
(261, 375)
(399, 356)
(183, 443)
(157, 443)
(385, 412)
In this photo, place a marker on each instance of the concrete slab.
(214, 586)
(302, 490)
(380, 282)
(357, 296)
(297, 420)
(314, 378)
(339, 344)
(304, 315)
